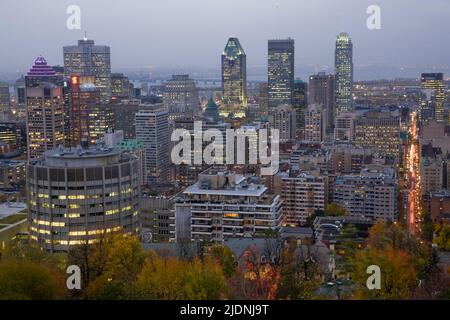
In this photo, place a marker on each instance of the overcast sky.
(192, 33)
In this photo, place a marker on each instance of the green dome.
(211, 105)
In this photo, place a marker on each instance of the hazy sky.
(192, 33)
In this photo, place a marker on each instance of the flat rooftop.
(78, 153)
(251, 190)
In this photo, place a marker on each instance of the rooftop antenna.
(85, 35)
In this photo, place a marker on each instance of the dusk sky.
(193, 33)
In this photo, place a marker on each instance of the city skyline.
(160, 49)
(225, 150)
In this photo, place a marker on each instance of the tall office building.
(76, 196)
(101, 121)
(181, 97)
(88, 59)
(300, 101)
(280, 72)
(321, 91)
(234, 79)
(152, 131)
(433, 96)
(344, 73)
(82, 95)
(45, 109)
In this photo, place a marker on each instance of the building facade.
(45, 102)
(281, 54)
(223, 204)
(234, 79)
(76, 196)
(314, 123)
(88, 59)
(302, 194)
(433, 97)
(380, 130)
(321, 91)
(152, 131)
(284, 119)
(343, 63)
(370, 194)
(181, 97)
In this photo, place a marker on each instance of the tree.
(299, 276)
(398, 276)
(160, 279)
(110, 265)
(256, 278)
(418, 268)
(226, 259)
(443, 237)
(204, 280)
(28, 280)
(335, 210)
(310, 220)
(174, 279)
(346, 246)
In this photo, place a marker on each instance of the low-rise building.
(224, 204)
(371, 194)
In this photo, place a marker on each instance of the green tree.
(226, 259)
(110, 265)
(346, 247)
(335, 210)
(443, 237)
(175, 279)
(310, 220)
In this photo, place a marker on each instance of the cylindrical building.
(78, 195)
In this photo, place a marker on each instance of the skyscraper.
(45, 109)
(88, 59)
(152, 130)
(82, 95)
(234, 79)
(432, 102)
(344, 73)
(280, 72)
(321, 91)
(181, 97)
